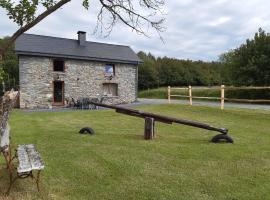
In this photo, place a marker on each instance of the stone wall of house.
(81, 79)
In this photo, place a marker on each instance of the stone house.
(53, 70)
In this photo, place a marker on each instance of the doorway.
(58, 93)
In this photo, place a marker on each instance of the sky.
(195, 29)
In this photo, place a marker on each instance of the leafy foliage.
(156, 72)
(250, 63)
(24, 11)
(9, 69)
(86, 4)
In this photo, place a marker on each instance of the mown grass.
(116, 163)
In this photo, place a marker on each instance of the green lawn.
(116, 163)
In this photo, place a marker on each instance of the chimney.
(81, 38)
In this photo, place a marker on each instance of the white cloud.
(196, 29)
(220, 21)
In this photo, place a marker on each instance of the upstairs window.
(58, 65)
(109, 70)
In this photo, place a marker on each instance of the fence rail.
(222, 97)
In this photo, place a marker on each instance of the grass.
(116, 163)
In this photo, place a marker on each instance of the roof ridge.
(61, 38)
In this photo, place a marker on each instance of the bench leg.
(6, 156)
(10, 184)
(7, 159)
(10, 153)
(37, 178)
(8, 162)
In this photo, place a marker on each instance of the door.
(58, 92)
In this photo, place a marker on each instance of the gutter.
(134, 62)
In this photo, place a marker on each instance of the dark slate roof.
(37, 45)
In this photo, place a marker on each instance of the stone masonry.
(81, 79)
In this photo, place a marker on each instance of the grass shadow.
(133, 137)
(23, 189)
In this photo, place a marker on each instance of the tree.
(156, 72)
(148, 75)
(9, 69)
(26, 14)
(250, 63)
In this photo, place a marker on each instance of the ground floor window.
(110, 89)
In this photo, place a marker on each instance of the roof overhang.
(25, 53)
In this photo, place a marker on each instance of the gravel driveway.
(165, 101)
(201, 103)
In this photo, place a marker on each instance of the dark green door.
(58, 92)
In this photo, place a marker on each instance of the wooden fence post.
(222, 96)
(190, 95)
(169, 94)
(149, 128)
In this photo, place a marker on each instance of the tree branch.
(124, 11)
(31, 24)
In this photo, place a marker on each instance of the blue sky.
(196, 29)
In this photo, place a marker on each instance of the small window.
(109, 70)
(58, 65)
(110, 89)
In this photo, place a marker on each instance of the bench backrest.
(6, 104)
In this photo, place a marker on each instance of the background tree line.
(156, 72)
(247, 65)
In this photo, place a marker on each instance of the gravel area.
(165, 101)
(203, 103)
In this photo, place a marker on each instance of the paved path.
(165, 101)
(202, 103)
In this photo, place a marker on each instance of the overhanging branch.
(31, 24)
(119, 10)
(124, 11)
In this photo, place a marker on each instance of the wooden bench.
(28, 158)
(29, 161)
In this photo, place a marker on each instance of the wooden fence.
(222, 98)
